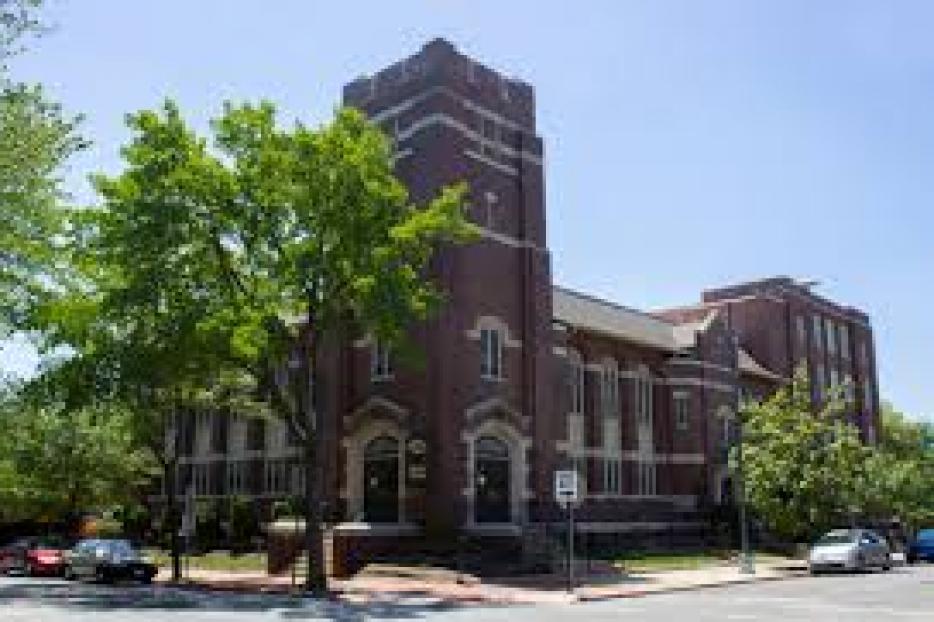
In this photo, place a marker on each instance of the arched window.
(492, 481)
(381, 480)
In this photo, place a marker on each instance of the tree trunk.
(316, 578)
(172, 521)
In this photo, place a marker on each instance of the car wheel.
(99, 576)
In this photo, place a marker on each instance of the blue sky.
(688, 144)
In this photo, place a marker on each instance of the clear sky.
(688, 143)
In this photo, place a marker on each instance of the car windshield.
(838, 537)
(121, 548)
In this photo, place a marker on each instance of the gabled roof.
(600, 316)
(749, 366)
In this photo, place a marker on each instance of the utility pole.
(746, 564)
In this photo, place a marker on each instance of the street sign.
(566, 487)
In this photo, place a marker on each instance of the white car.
(849, 549)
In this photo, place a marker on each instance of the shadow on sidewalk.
(87, 598)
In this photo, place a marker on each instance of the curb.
(685, 588)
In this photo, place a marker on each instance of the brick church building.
(521, 376)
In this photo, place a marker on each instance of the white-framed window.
(237, 439)
(830, 330)
(612, 439)
(204, 433)
(491, 353)
(845, 341)
(200, 479)
(609, 388)
(820, 381)
(236, 477)
(612, 471)
(849, 391)
(867, 395)
(643, 397)
(277, 476)
(726, 429)
(800, 325)
(834, 377)
(646, 484)
(682, 408)
(298, 479)
(277, 435)
(576, 431)
(380, 361)
(864, 354)
(576, 382)
(816, 333)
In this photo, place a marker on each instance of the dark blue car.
(922, 548)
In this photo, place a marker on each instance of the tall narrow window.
(646, 484)
(576, 383)
(831, 331)
(491, 353)
(817, 333)
(845, 342)
(609, 389)
(802, 331)
(819, 381)
(380, 361)
(682, 406)
(203, 433)
(867, 395)
(612, 468)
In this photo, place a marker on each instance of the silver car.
(849, 549)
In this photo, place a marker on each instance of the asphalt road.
(903, 594)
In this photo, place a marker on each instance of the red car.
(33, 557)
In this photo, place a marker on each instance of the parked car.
(849, 549)
(108, 560)
(922, 547)
(33, 556)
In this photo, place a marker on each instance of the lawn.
(215, 560)
(648, 561)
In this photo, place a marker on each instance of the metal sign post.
(566, 495)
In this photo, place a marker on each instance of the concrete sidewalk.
(446, 587)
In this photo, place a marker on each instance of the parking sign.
(566, 487)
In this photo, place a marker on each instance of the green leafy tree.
(899, 475)
(803, 469)
(233, 264)
(36, 137)
(57, 463)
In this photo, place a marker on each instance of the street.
(903, 594)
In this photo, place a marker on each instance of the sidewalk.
(446, 587)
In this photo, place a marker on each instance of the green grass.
(216, 560)
(647, 561)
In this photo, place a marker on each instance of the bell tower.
(489, 350)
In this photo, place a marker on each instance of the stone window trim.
(519, 446)
(494, 323)
(354, 446)
(493, 333)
